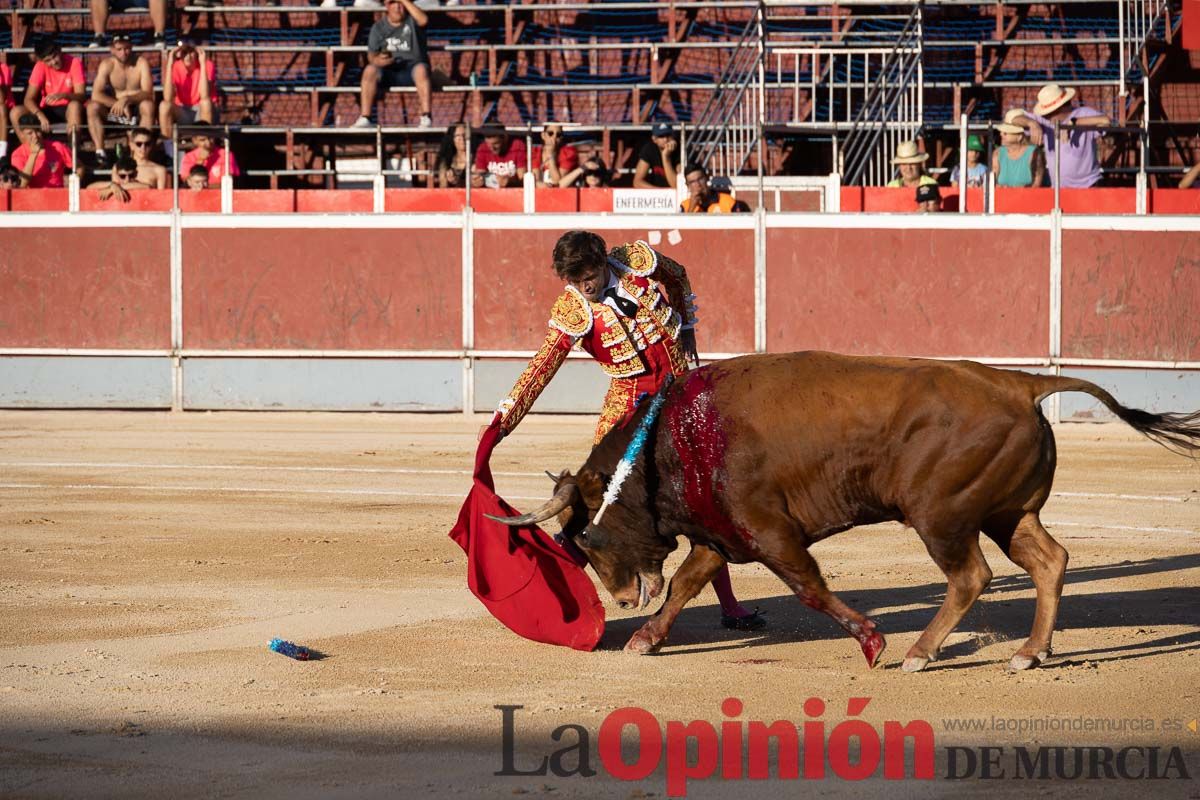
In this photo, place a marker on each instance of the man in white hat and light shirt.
(911, 164)
(1079, 168)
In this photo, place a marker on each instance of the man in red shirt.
(499, 162)
(554, 158)
(208, 155)
(56, 87)
(43, 164)
(188, 95)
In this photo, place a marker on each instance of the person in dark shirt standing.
(658, 160)
(396, 56)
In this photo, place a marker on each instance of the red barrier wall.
(39, 200)
(322, 289)
(1174, 201)
(255, 201)
(142, 200)
(109, 288)
(1131, 295)
(515, 285)
(400, 200)
(908, 292)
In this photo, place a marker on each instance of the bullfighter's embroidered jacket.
(666, 307)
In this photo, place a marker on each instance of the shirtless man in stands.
(141, 144)
(123, 93)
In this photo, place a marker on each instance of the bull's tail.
(1179, 433)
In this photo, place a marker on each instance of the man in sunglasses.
(124, 180)
(141, 145)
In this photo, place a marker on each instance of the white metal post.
(468, 307)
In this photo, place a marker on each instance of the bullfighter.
(633, 310)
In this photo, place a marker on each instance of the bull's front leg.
(696, 571)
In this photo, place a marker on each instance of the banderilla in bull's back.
(756, 458)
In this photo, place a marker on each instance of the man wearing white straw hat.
(910, 162)
(1078, 168)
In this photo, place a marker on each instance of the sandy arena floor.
(148, 558)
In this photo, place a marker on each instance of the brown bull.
(756, 458)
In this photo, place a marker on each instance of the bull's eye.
(592, 537)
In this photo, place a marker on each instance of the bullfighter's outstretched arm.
(644, 261)
(570, 318)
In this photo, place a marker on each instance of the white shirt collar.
(614, 279)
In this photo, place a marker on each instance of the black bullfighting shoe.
(751, 622)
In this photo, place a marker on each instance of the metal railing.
(727, 130)
(891, 110)
(1137, 21)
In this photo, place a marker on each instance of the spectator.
(553, 159)
(141, 144)
(205, 153)
(704, 197)
(976, 171)
(499, 162)
(591, 174)
(9, 178)
(658, 160)
(1078, 168)
(100, 9)
(1190, 176)
(911, 164)
(7, 106)
(929, 197)
(188, 95)
(1016, 162)
(131, 100)
(197, 178)
(124, 180)
(397, 56)
(453, 158)
(56, 87)
(42, 164)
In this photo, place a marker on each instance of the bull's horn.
(564, 497)
(551, 475)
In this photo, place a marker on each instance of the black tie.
(628, 307)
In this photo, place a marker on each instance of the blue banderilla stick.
(625, 465)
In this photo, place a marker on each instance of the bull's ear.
(591, 487)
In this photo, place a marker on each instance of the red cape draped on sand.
(519, 574)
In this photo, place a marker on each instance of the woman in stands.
(1017, 163)
(453, 158)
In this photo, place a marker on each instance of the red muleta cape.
(521, 575)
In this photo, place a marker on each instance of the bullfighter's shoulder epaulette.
(638, 256)
(572, 313)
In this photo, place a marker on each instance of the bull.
(756, 458)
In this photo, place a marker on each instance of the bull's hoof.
(640, 645)
(873, 647)
(914, 664)
(1021, 662)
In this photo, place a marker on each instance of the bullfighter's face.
(624, 549)
(591, 282)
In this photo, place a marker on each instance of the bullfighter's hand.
(484, 429)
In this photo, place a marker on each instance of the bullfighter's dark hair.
(577, 252)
